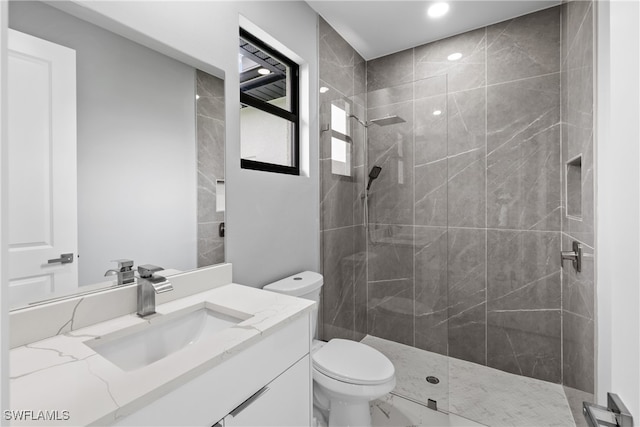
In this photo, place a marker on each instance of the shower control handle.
(575, 256)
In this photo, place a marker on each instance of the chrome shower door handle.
(64, 259)
(575, 256)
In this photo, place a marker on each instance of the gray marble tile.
(467, 334)
(210, 128)
(337, 195)
(578, 352)
(523, 270)
(391, 147)
(467, 121)
(390, 310)
(390, 252)
(430, 86)
(577, 136)
(338, 289)
(390, 70)
(523, 158)
(336, 59)
(479, 393)
(526, 342)
(210, 90)
(412, 366)
(577, 34)
(359, 259)
(210, 244)
(360, 176)
(467, 294)
(390, 95)
(466, 150)
(431, 194)
(359, 79)
(431, 300)
(211, 147)
(578, 104)
(575, 398)
(524, 47)
(465, 73)
(207, 201)
(431, 130)
(466, 201)
(396, 411)
(358, 135)
(578, 289)
(501, 399)
(466, 269)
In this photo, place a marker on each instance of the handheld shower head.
(373, 174)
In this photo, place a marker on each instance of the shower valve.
(575, 256)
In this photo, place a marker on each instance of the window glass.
(269, 121)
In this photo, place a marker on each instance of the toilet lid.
(353, 362)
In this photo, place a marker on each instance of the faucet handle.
(147, 270)
(124, 264)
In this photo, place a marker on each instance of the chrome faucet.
(149, 285)
(124, 271)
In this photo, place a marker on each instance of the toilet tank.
(305, 285)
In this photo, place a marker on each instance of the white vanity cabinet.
(266, 384)
(280, 403)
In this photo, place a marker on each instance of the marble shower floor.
(468, 390)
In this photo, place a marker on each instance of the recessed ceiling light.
(437, 113)
(454, 56)
(437, 10)
(324, 89)
(197, 96)
(264, 71)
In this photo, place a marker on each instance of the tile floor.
(396, 411)
(468, 391)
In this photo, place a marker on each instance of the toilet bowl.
(347, 374)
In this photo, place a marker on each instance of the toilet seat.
(353, 363)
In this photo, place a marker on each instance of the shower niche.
(573, 191)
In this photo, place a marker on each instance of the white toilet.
(346, 374)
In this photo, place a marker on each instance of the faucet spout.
(150, 284)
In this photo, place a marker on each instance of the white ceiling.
(378, 28)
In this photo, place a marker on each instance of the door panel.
(42, 168)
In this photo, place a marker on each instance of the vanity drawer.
(210, 397)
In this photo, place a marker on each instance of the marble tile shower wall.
(344, 259)
(466, 219)
(578, 303)
(210, 139)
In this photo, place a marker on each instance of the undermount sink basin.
(162, 338)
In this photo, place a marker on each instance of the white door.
(42, 168)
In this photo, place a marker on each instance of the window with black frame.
(269, 117)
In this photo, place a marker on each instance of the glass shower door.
(407, 235)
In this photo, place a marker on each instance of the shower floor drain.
(432, 380)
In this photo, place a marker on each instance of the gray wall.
(136, 145)
(342, 72)
(466, 221)
(481, 199)
(578, 289)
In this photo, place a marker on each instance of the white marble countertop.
(62, 373)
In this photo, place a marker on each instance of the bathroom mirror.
(140, 174)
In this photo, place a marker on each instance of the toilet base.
(349, 414)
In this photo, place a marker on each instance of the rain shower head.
(373, 174)
(389, 120)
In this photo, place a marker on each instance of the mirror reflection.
(116, 155)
